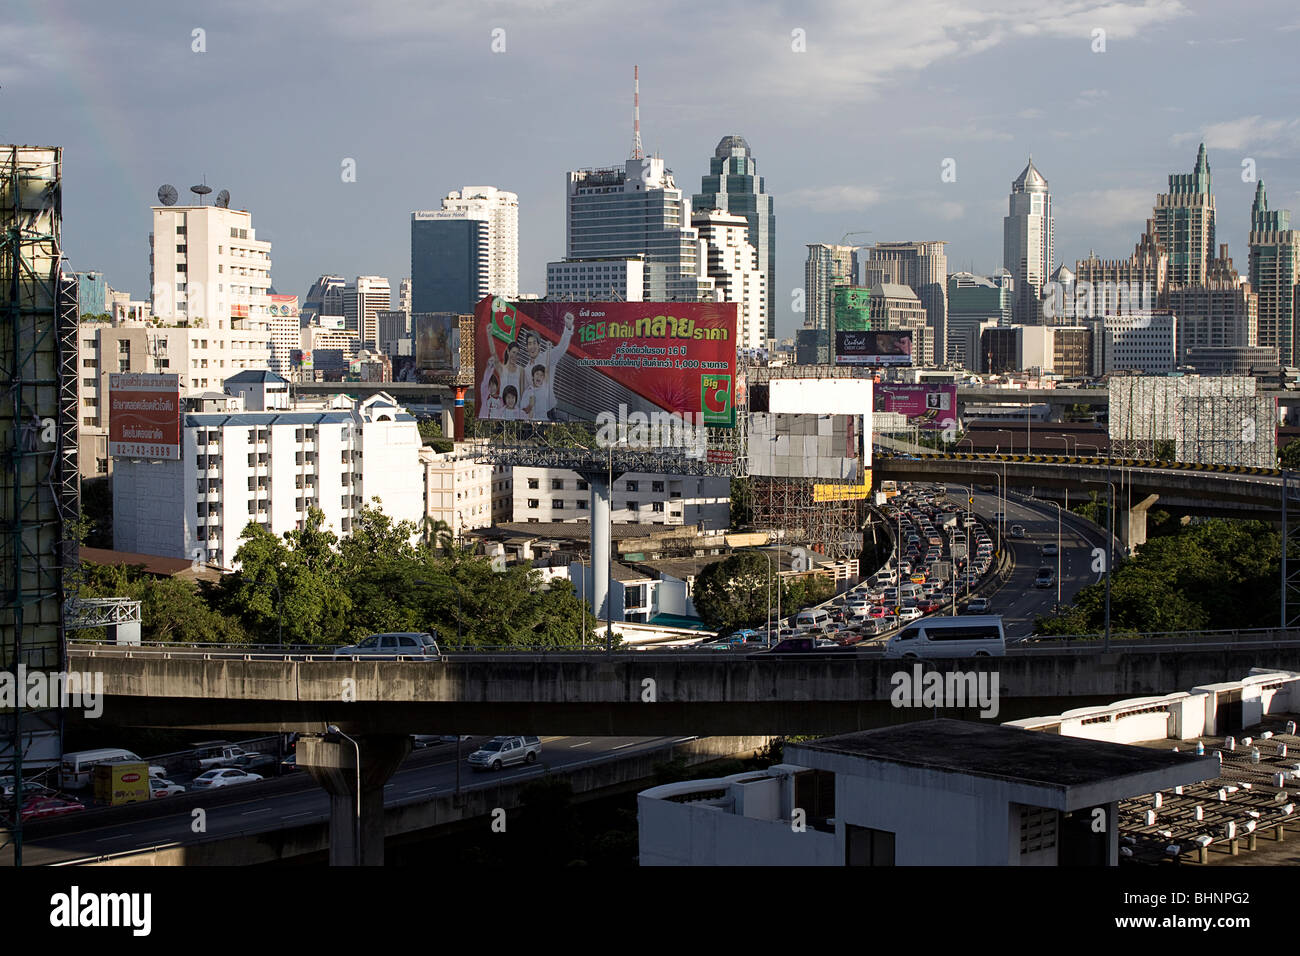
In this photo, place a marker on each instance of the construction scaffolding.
(790, 508)
(1213, 420)
(39, 480)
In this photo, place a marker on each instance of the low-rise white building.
(462, 488)
(268, 467)
(558, 494)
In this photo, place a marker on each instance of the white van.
(884, 576)
(964, 636)
(905, 591)
(76, 769)
(813, 619)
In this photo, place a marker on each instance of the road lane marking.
(260, 810)
(119, 837)
(583, 744)
(425, 790)
(304, 813)
(621, 746)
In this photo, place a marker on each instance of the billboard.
(925, 406)
(144, 418)
(437, 345)
(873, 348)
(562, 361)
(851, 308)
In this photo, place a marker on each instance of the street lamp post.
(333, 729)
(1010, 434)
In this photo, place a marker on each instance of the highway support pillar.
(601, 488)
(356, 825)
(1135, 525)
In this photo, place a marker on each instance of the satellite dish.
(167, 194)
(223, 199)
(201, 191)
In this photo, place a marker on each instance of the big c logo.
(505, 321)
(715, 400)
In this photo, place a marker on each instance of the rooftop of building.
(152, 564)
(253, 376)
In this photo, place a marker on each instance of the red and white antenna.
(636, 113)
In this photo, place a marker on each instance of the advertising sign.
(437, 341)
(559, 361)
(873, 348)
(925, 406)
(144, 418)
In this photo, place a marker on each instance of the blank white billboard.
(821, 396)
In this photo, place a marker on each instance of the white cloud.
(832, 198)
(1105, 208)
(1269, 137)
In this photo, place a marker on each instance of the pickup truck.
(211, 758)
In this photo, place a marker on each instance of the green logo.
(715, 400)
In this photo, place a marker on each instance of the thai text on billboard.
(926, 406)
(873, 348)
(562, 361)
(144, 416)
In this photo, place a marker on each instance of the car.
(949, 637)
(224, 777)
(979, 605)
(1045, 579)
(1017, 531)
(214, 755)
(394, 645)
(929, 607)
(160, 787)
(30, 787)
(1050, 550)
(501, 752)
(254, 761)
(42, 806)
(289, 763)
(909, 614)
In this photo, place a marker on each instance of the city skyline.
(1106, 153)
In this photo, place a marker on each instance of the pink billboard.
(926, 406)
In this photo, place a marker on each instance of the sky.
(853, 110)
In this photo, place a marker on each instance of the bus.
(889, 488)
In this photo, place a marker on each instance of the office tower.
(285, 333)
(325, 297)
(1027, 242)
(1108, 286)
(363, 300)
(1274, 275)
(896, 307)
(924, 267)
(404, 296)
(450, 260)
(826, 267)
(972, 301)
(1221, 312)
(1184, 223)
(394, 329)
(500, 210)
(734, 186)
(732, 263)
(577, 280)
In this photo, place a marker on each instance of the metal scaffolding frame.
(1213, 420)
(791, 507)
(39, 483)
(1290, 508)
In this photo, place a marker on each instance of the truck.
(213, 756)
(121, 782)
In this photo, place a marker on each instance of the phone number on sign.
(138, 450)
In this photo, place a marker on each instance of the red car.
(38, 808)
(928, 607)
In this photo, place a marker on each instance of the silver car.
(394, 645)
(502, 752)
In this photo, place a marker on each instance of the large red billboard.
(144, 417)
(562, 361)
(926, 406)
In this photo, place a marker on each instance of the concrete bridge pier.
(356, 834)
(1134, 529)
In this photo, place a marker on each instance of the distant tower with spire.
(1184, 223)
(1275, 276)
(637, 152)
(1028, 239)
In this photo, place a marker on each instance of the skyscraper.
(363, 300)
(972, 301)
(924, 267)
(826, 267)
(500, 210)
(734, 186)
(732, 263)
(325, 297)
(1184, 223)
(1274, 275)
(1027, 242)
(450, 260)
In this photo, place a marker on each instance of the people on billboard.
(525, 382)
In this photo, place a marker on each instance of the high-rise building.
(734, 186)
(500, 210)
(209, 270)
(972, 301)
(404, 296)
(732, 263)
(896, 307)
(1184, 223)
(924, 267)
(616, 279)
(637, 210)
(827, 266)
(363, 300)
(1027, 242)
(285, 333)
(1275, 276)
(450, 260)
(1220, 312)
(1108, 286)
(325, 297)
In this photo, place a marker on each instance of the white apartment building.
(269, 467)
(732, 263)
(285, 328)
(1143, 341)
(363, 300)
(617, 279)
(207, 269)
(500, 209)
(558, 494)
(326, 348)
(404, 296)
(462, 488)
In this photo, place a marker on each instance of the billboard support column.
(460, 413)
(599, 484)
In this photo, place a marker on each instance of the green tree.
(742, 503)
(1289, 456)
(733, 593)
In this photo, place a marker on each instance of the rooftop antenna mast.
(637, 152)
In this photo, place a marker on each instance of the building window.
(533, 503)
(657, 486)
(532, 483)
(864, 846)
(657, 506)
(634, 506)
(582, 505)
(557, 504)
(631, 486)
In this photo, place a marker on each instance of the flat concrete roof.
(1008, 753)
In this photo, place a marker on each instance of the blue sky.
(850, 134)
